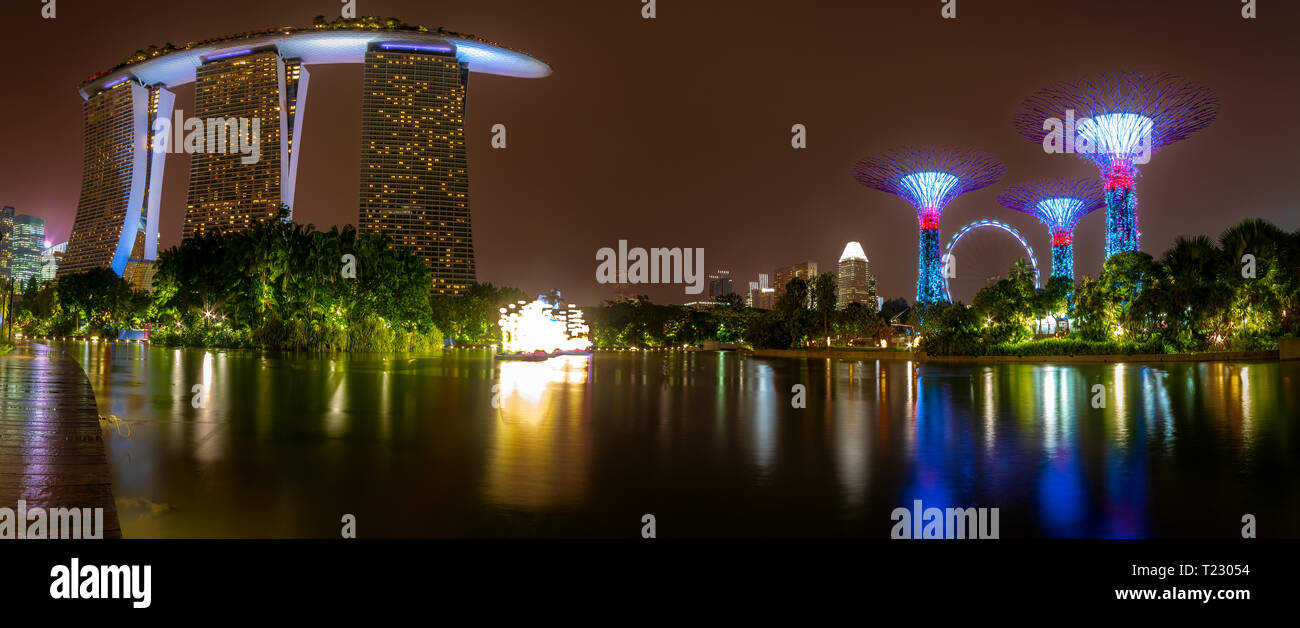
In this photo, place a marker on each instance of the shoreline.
(917, 356)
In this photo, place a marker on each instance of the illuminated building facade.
(28, 235)
(720, 284)
(263, 76)
(854, 282)
(121, 185)
(6, 240)
(51, 256)
(226, 193)
(806, 271)
(414, 166)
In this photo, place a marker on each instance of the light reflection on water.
(462, 445)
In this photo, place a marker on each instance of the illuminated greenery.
(1198, 296)
(804, 316)
(93, 303)
(280, 285)
(471, 318)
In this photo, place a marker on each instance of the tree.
(1123, 276)
(857, 321)
(733, 301)
(792, 310)
(1188, 298)
(952, 330)
(1008, 306)
(824, 300)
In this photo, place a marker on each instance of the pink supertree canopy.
(1115, 109)
(1059, 203)
(1117, 120)
(929, 177)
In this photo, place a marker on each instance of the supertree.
(1059, 204)
(929, 178)
(1122, 119)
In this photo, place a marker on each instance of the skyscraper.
(414, 165)
(226, 194)
(855, 284)
(415, 184)
(806, 271)
(720, 284)
(51, 256)
(121, 184)
(28, 238)
(6, 240)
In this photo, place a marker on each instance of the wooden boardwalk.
(51, 445)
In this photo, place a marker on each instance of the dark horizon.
(675, 132)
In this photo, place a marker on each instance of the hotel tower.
(225, 193)
(414, 171)
(121, 186)
(414, 183)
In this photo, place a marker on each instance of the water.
(285, 445)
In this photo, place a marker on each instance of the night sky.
(676, 131)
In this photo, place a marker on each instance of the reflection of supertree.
(929, 178)
(1123, 118)
(1059, 204)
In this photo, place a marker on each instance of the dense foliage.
(805, 314)
(280, 285)
(1200, 295)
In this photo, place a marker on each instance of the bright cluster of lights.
(1059, 204)
(928, 190)
(1122, 115)
(929, 178)
(1118, 134)
(1063, 260)
(1122, 233)
(539, 326)
(930, 286)
(1062, 214)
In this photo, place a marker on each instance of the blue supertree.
(929, 178)
(1059, 204)
(1117, 120)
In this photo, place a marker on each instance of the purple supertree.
(1059, 204)
(929, 178)
(1122, 119)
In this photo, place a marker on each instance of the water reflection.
(458, 444)
(539, 448)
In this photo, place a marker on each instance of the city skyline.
(523, 197)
